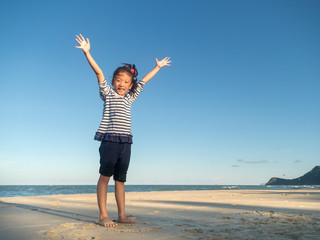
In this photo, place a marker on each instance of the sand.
(213, 215)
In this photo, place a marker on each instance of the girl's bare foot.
(106, 222)
(126, 219)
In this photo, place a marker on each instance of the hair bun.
(132, 68)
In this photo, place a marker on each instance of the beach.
(213, 215)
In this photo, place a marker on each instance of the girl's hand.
(163, 62)
(84, 45)
(160, 64)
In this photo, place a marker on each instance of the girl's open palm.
(163, 62)
(84, 45)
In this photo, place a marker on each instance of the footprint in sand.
(55, 203)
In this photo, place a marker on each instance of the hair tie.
(132, 70)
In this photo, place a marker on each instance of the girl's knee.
(104, 178)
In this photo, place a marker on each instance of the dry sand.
(220, 214)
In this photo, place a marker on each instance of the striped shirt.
(116, 121)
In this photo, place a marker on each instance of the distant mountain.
(310, 178)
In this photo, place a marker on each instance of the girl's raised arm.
(160, 64)
(85, 46)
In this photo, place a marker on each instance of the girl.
(115, 129)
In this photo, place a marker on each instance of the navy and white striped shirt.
(116, 121)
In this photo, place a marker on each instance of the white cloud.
(250, 162)
(257, 162)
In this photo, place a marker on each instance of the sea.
(41, 190)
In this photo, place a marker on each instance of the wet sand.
(212, 215)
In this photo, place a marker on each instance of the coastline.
(43, 190)
(209, 214)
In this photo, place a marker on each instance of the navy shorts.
(114, 160)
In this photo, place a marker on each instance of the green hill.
(310, 178)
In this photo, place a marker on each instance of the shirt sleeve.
(104, 89)
(138, 90)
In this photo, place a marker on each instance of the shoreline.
(196, 214)
(46, 190)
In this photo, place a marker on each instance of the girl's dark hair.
(127, 69)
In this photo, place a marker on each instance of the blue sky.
(240, 103)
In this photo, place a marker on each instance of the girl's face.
(122, 83)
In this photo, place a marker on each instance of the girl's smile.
(122, 83)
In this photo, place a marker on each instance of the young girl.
(115, 129)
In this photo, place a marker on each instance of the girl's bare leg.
(120, 197)
(102, 188)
